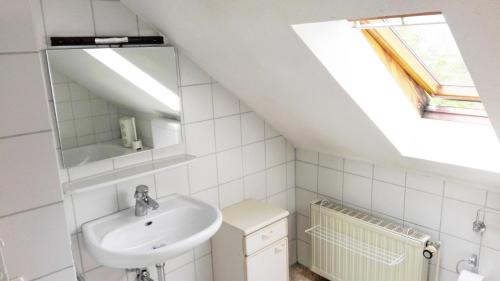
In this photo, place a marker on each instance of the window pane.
(435, 46)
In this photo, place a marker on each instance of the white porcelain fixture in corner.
(123, 240)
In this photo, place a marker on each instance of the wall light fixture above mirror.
(111, 102)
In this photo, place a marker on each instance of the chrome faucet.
(143, 202)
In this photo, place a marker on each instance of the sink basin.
(123, 240)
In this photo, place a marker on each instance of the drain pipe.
(160, 270)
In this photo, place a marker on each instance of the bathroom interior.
(215, 140)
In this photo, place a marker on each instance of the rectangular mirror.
(111, 102)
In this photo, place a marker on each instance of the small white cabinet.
(252, 244)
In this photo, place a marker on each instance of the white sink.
(123, 240)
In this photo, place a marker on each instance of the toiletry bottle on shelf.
(128, 130)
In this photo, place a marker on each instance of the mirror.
(111, 102)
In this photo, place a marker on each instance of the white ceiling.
(250, 47)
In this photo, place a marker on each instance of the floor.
(301, 273)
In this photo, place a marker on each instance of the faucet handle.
(141, 191)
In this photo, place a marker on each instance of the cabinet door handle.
(267, 236)
(279, 249)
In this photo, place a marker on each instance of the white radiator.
(349, 245)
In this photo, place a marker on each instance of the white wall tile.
(357, 190)
(202, 173)
(225, 103)
(255, 186)
(113, 18)
(306, 176)
(275, 151)
(252, 128)
(210, 196)
(68, 274)
(425, 183)
(446, 275)
(454, 249)
(229, 165)
(307, 156)
(60, 91)
(64, 111)
(358, 168)
(493, 200)
(84, 127)
(392, 175)
(279, 200)
(303, 253)
(95, 204)
(303, 199)
(191, 73)
(78, 92)
(106, 273)
(270, 132)
(68, 17)
(465, 193)
(388, 199)
(227, 132)
(17, 31)
(254, 158)
(30, 236)
(488, 265)
(32, 179)
(179, 261)
(197, 103)
(276, 179)
(491, 237)
(303, 223)
(455, 212)
(200, 138)
(172, 181)
(28, 106)
(185, 273)
(331, 161)
(204, 268)
(330, 183)
(423, 209)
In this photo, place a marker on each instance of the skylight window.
(436, 48)
(424, 47)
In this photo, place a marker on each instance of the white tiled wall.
(239, 155)
(32, 222)
(84, 118)
(443, 208)
(225, 172)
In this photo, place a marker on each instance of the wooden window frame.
(401, 53)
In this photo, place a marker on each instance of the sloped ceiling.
(250, 47)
